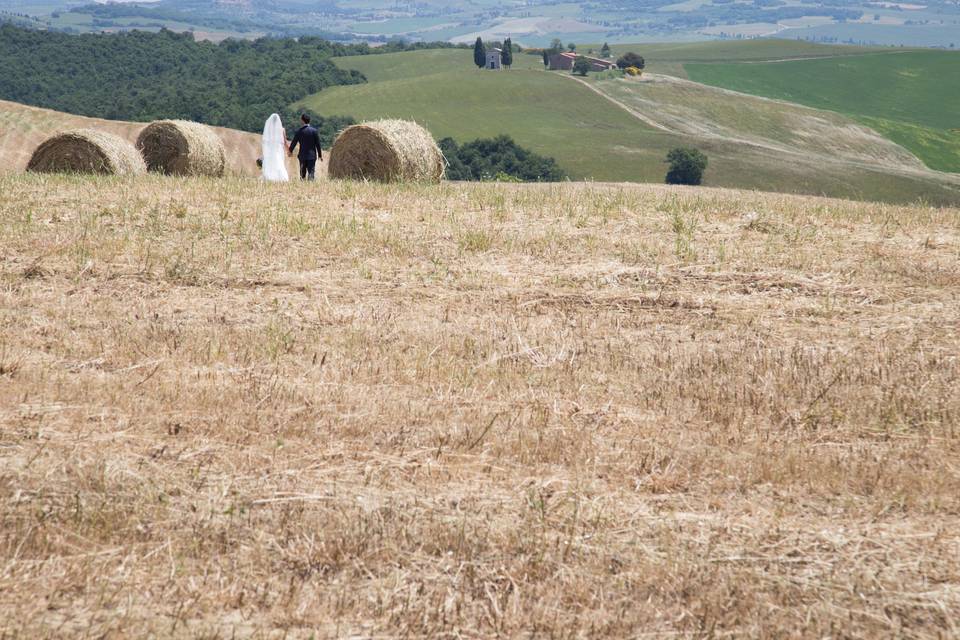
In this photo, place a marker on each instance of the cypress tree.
(507, 59)
(479, 54)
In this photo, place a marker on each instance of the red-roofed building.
(564, 62)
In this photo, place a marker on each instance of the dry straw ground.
(474, 411)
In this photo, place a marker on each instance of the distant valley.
(933, 23)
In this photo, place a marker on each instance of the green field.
(670, 57)
(751, 143)
(910, 96)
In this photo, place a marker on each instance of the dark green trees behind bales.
(686, 166)
(546, 58)
(150, 76)
(605, 51)
(329, 127)
(479, 54)
(581, 66)
(494, 158)
(507, 59)
(631, 59)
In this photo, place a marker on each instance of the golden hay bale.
(386, 151)
(181, 148)
(86, 151)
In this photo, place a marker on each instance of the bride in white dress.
(274, 151)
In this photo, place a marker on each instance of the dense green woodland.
(147, 76)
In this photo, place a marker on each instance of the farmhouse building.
(494, 58)
(564, 62)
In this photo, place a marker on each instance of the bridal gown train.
(274, 151)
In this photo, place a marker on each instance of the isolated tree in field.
(605, 50)
(479, 54)
(506, 58)
(581, 66)
(686, 166)
(572, 47)
(631, 59)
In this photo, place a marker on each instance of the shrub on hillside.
(496, 159)
(686, 166)
(631, 59)
(581, 66)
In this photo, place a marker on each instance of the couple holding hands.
(273, 164)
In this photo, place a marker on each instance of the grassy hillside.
(670, 57)
(737, 50)
(541, 110)
(416, 64)
(474, 410)
(910, 96)
(595, 138)
(781, 146)
(708, 112)
(23, 128)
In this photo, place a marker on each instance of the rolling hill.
(23, 128)
(909, 96)
(619, 130)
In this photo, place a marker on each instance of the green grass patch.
(420, 64)
(938, 149)
(669, 57)
(910, 96)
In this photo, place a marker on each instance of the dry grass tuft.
(181, 148)
(474, 410)
(387, 151)
(86, 151)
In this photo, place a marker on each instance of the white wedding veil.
(274, 150)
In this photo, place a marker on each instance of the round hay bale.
(386, 151)
(86, 151)
(181, 148)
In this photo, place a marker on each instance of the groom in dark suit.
(309, 140)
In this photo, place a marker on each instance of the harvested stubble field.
(474, 411)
